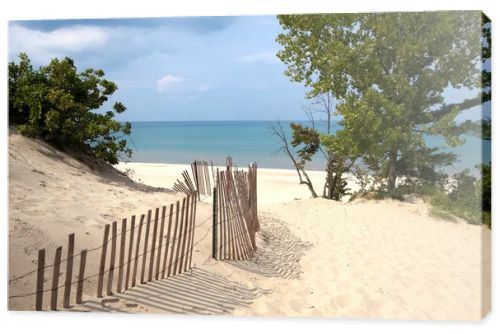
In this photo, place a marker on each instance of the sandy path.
(384, 259)
(315, 257)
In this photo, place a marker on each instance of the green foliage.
(310, 140)
(56, 103)
(460, 197)
(388, 72)
(307, 138)
(435, 212)
(420, 166)
(486, 193)
(485, 56)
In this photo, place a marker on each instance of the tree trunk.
(338, 177)
(333, 186)
(309, 184)
(329, 177)
(391, 177)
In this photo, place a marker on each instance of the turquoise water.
(247, 141)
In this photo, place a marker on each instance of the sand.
(364, 259)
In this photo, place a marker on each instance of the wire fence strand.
(29, 273)
(166, 244)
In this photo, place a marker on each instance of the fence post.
(167, 245)
(55, 279)
(178, 250)
(146, 240)
(130, 250)
(102, 265)
(193, 226)
(183, 257)
(69, 270)
(137, 249)
(153, 246)
(214, 224)
(39, 280)
(81, 276)
(160, 242)
(121, 260)
(109, 289)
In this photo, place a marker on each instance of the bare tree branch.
(277, 129)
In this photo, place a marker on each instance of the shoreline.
(284, 183)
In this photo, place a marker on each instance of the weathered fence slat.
(233, 217)
(189, 231)
(144, 256)
(81, 276)
(178, 250)
(193, 226)
(39, 280)
(208, 188)
(184, 237)
(227, 221)
(214, 223)
(121, 260)
(153, 246)
(160, 241)
(195, 177)
(130, 250)
(167, 240)
(102, 265)
(111, 270)
(69, 270)
(137, 250)
(174, 241)
(55, 279)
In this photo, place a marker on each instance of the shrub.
(58, 104)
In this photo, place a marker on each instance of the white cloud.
(267, 57)
(42, 45)
(166, 82)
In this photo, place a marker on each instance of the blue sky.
(212, 68)
(170, 69)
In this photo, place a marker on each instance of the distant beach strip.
(182, 142)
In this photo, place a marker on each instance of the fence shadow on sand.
(194, 292)
(279, 252)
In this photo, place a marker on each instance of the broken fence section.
(201, 181)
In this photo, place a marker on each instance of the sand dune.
(315, 257)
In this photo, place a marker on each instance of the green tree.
(339, 151)
(486, 122)
(58, 104)
(388, 72)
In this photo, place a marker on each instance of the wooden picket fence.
(201, 182)
(186, 186)
(202, 177)
(160, 245)
(235, 220)
(167, 250)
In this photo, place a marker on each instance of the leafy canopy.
(388, 72)
(57, 104)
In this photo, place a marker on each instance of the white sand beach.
(363, 259)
